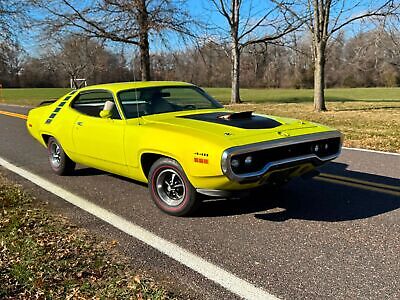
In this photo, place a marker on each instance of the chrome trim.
(170, 187)
(314, 137)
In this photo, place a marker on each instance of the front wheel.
(170, 189)
(60, 163)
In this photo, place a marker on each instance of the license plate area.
(279, 175)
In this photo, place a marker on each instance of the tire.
(60, 163)
(170, 189)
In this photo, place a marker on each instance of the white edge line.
(218, 275)
(372, 151)
(17, 105)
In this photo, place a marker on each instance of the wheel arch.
(165, 197)
(45, 141)
(147, 159)
(46, 138)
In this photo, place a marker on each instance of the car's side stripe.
(57, 109)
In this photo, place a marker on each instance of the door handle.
(79, 123)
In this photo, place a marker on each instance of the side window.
(134, 103)
(92, 103)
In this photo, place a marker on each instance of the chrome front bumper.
(287, 162)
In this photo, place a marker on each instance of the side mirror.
(105, 114)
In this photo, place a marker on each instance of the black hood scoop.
(245, 120)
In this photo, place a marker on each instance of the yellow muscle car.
(178, 139)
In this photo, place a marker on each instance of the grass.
(35, 96)
(31, 96)
(43, 256)
(306, 95)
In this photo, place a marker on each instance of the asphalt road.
(335, 236)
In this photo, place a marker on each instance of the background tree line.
(258, 43)
(368, 59)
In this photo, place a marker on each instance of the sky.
(200, 9)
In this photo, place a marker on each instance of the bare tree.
(325, 19)
(12, 16)
(74, 57)
(366, 59)
(126, 21)
(79, 57)
(252, 27)
(12, 19)
(391, 34)
(11, 63)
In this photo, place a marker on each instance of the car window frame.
(116, 102)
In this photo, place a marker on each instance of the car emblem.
(283, 133)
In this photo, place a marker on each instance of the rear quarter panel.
(35, 121)
(55, 120)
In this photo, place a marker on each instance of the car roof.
(119, 86)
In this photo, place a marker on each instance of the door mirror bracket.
(105, 114)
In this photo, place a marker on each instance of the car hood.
(240, 129)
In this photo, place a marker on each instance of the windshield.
(157, 100)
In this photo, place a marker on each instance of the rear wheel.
(170, 189)
(60, 163)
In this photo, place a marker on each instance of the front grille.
(321, 148)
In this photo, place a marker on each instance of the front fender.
(198, 156)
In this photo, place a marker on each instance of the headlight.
(248, 160)
(315, 148)
(235, 163)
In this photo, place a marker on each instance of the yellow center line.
(358, 185)
(15, 115)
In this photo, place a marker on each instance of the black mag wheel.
(170, 189)
(60, 163)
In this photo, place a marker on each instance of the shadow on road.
(348, 196)
(85, 171)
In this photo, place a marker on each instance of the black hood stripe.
(252, 122)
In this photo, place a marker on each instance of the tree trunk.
(235, 51)
(144, 41)
(235, 73)
(319, 78)
(144, 57)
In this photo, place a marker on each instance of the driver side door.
(99, 141)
